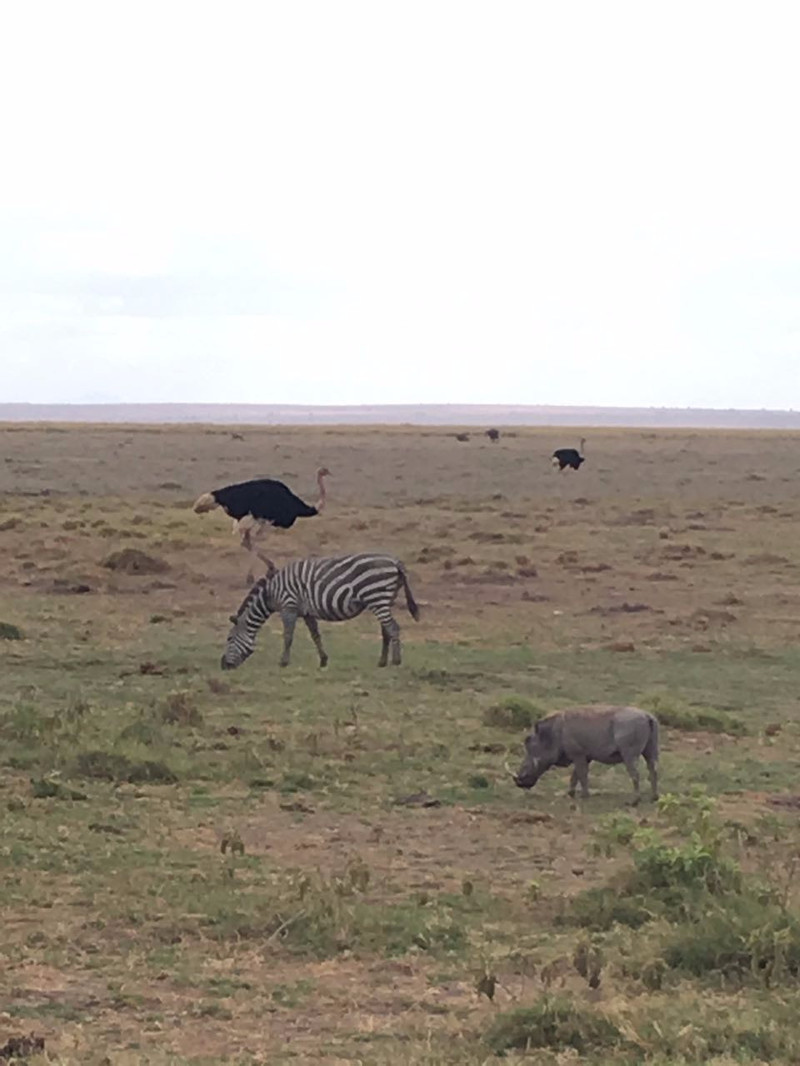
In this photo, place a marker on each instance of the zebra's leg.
(289, 619)
(390, 631)
(385, 649)
(313, 629)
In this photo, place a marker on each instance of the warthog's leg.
(580, 776)
(632, 766)
(313, 629)
(652, 771)
(289, 619)
(573, 782)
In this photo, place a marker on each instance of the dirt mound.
(133, 561)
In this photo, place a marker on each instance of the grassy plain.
(208, 867)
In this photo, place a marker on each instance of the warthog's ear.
(544, 731)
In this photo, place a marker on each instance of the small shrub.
(554, 1022)
(151, 772)
(479, 781)
(695, 864)
(8, 631)
(180, 709)
(512, 713)
(296, 781)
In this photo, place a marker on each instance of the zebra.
(327, 589)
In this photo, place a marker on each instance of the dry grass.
(292, 897)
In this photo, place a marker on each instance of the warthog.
(580, 735)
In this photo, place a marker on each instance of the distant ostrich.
(563, 457)
(255, 504)
(493, 435)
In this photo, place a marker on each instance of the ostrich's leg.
(249, 535)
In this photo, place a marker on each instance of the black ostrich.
(255, 504)
(493, 435)
(563, 457)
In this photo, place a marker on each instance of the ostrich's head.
(323, 472)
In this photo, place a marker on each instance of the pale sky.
(375, 201)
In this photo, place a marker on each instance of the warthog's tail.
(411, 603)
(651, 747)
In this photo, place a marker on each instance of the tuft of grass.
(512, 713)
(554, 1022)
(8, 631)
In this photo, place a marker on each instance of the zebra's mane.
(255, 591)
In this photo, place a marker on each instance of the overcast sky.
(381, 201)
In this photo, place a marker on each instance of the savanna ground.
(333, 866)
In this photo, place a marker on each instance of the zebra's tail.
(411, 603)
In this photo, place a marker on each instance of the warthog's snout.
(526, 778)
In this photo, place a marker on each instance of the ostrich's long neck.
(322, 495)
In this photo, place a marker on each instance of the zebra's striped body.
(329, 590)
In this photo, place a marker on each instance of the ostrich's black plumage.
(568, 457)
(264, 499)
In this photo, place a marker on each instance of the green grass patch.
(688, 719)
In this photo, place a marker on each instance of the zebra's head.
(241, 642)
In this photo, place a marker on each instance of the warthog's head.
(541, 752)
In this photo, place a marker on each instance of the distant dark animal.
(581, 735)
(328, 590)
(493, 434)
(255, 504)
(564, 457)
(462, 437)
(236, 436)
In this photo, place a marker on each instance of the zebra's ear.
(233, 619)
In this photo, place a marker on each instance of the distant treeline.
(398, 414)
